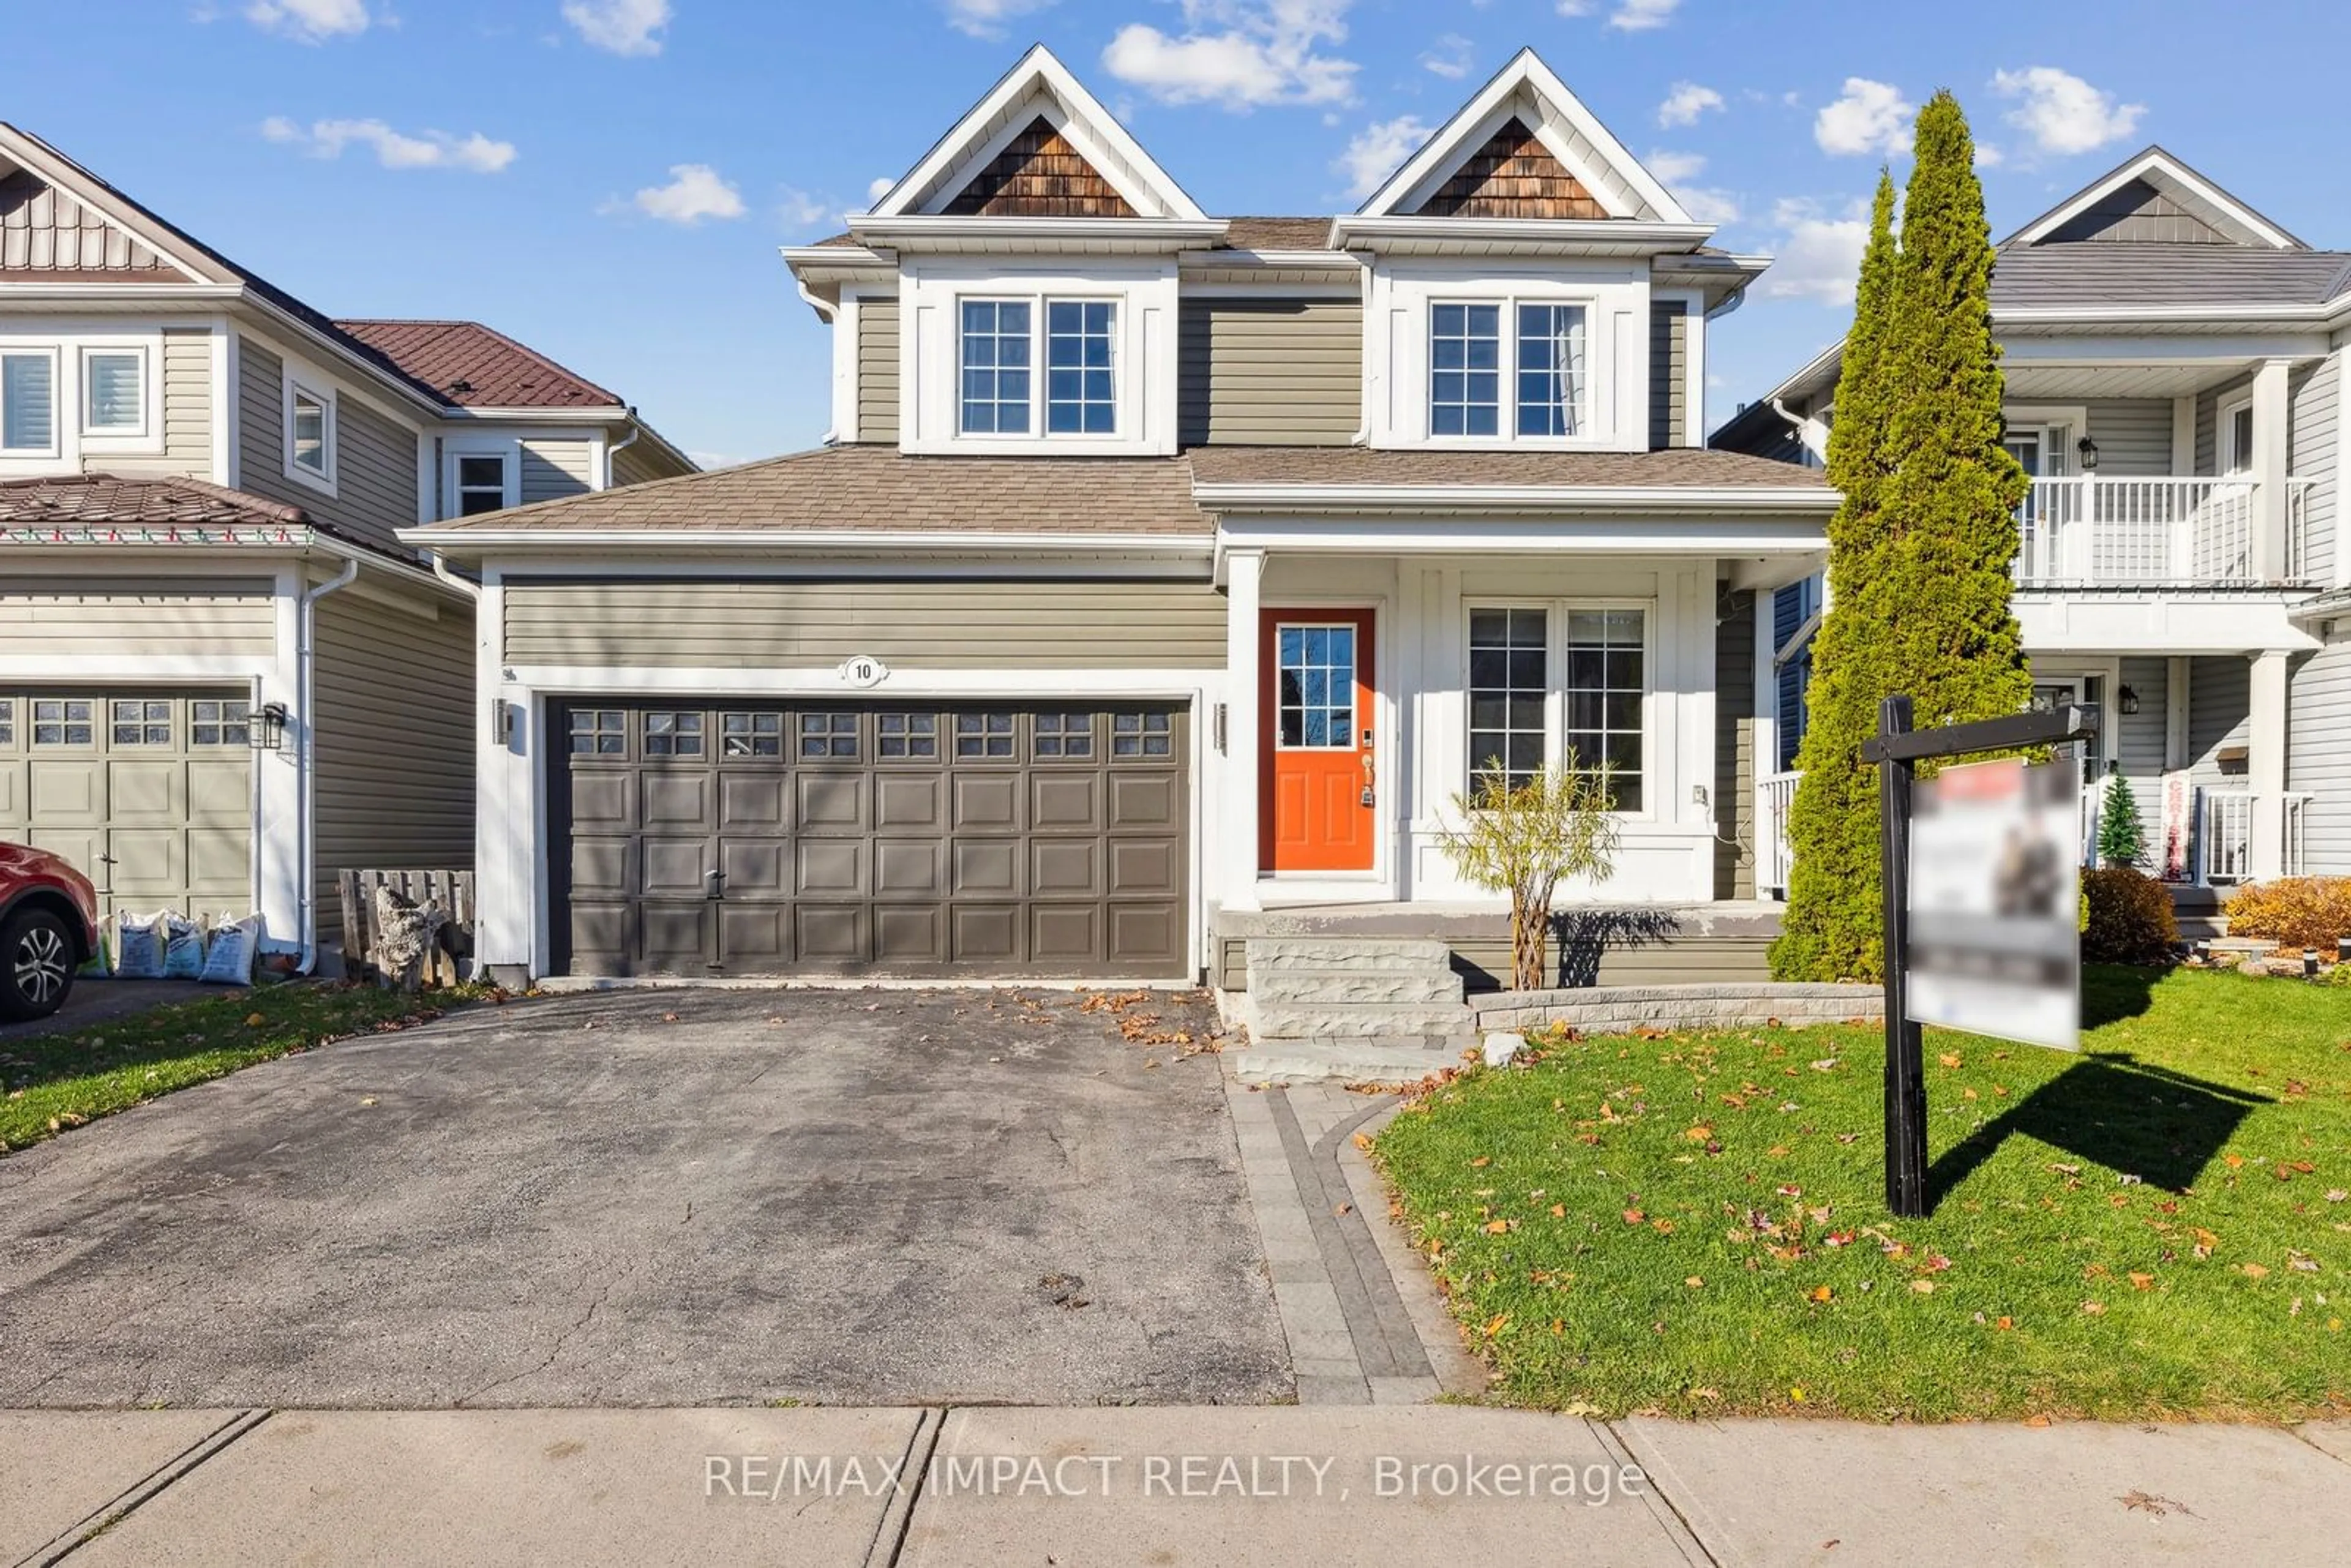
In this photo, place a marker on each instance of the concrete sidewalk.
(1223, 1485)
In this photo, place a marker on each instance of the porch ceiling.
(2033, 382)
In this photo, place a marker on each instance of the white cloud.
(881, 186)
(694, 192)
(1818, 255)
(1988, 156)
(1686, 103)
(1705, 204)
(1575, 7)
(1239, 54)
(1640, 16)
(619, 27)
(1449, 57)
(311, 21)
(985, 18)
(1871, 117)
(393, 149)
(2063, 113)
(1378, 150)
(800, 209)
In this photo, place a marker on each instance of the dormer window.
(999, 387)
(1551, 370)
(1531, 381)
(1465, 369)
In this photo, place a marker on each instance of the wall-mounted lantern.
(268, 731)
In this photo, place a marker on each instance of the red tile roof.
(469, 365)
(88, 500)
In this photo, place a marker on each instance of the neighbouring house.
(1162, 581)
(222, 677)
(2172, 359)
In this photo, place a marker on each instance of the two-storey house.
(222, 677)
(1165, 581)
(2172, 363)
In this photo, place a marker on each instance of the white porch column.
(1244, 730)
(2266, 763)
(2270, 454)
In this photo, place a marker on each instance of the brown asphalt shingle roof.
(1674, 467)
(472, 366)
(879, 489)
(100, 500)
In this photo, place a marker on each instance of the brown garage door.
(912, 839)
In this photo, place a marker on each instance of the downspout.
(1805, 427)
(306, 659)
(614, 450)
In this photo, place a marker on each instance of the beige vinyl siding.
(962, 625)
(2318, 754)
(186, 373)
(1734, 751)
(375, 458)
(554, 469)
(1668, 374)
(69, 619)
(877, 370)
(395, 754)
(640, 461)
(2312, 393)
(1271, 373)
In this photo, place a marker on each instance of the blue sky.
(609, 180)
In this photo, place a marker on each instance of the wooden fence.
(444, 960)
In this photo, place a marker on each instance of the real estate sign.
(1995, 884)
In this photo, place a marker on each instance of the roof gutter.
(571, 541)
(1521, 501)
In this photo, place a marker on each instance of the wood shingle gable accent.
(1513, 175)
(45, 230)
(1040, 175)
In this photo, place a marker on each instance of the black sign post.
(1896, 751)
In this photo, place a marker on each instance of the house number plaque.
(864, 671)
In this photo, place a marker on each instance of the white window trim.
(319, 391)
(509, 455)
(1555, 686)
(2227, 460)
(149, 427)
(1039, 302)
(1507, 414)
(59, 390)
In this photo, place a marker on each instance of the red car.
(48, 929)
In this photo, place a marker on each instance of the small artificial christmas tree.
(2122, 841)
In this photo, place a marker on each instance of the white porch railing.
(2225, 826)
(2147, 532)
(1775, 796)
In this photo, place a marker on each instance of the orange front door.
(1317, 783)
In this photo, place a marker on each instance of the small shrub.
(2305, 912)
(2131, 920)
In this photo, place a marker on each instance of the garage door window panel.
(64, 721)
(7, 722)
(984, 735)
(751, 734)
(905, 736)
(672, 733)
(220, 723)
(139, 721)
(600, 731)
(829, 735)
(1061, 736)
(1141, 735)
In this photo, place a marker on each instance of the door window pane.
(1315, 704)
(1606, 682)
(27, 403)
(996, 367)
(1551, 370)
(906, 734)
(828, 735)
(1510, 680)
(116, 400)
(983, 735)
(1465, 369)
(1079, 335)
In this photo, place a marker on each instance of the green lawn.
(49, 1083)
(1696, 1224)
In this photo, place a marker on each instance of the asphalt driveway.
(659, 1198)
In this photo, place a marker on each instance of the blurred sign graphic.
(1995, 884)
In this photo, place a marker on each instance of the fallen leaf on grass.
(1501, 1321)
(1559, 1211)
(1634, 1217)
(2234, 1160)
(1949, 1061)
(2003, 1321)
(2142, 1281)
(2253, 1270)
(2096, 1309)
(1498, 1227)
(1481, 1162)
(1693, 1282)
(1821, 1293)
(1924, 1287)
(255, 1021)
(1698, 1134)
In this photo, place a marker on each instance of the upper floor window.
(1465, 369)
(1551, 370)
(28, 401)
(2236, 421)
(1509, 369)
(1079, 334)
(996, 367)
(114, 391)
(481, 483)
(309, 432)
(999, 387)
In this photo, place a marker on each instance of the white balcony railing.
(1775, 796)
(2152, 532)
(2225, 827)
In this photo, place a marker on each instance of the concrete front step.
(1326, 1021)
(1324, 955)
(1409, 986)
(1356, 1060)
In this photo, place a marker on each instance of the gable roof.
(1530, 91)
(1037, 87)
(1513, 175)
(468, 365)
(2184, 193)
(45, 232)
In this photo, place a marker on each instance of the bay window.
(1561, 685)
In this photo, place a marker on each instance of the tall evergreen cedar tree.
(1919, 548)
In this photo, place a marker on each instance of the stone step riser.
(1333, 1021)
(1343, 1062)
(1323, 954)
(1303, 986)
